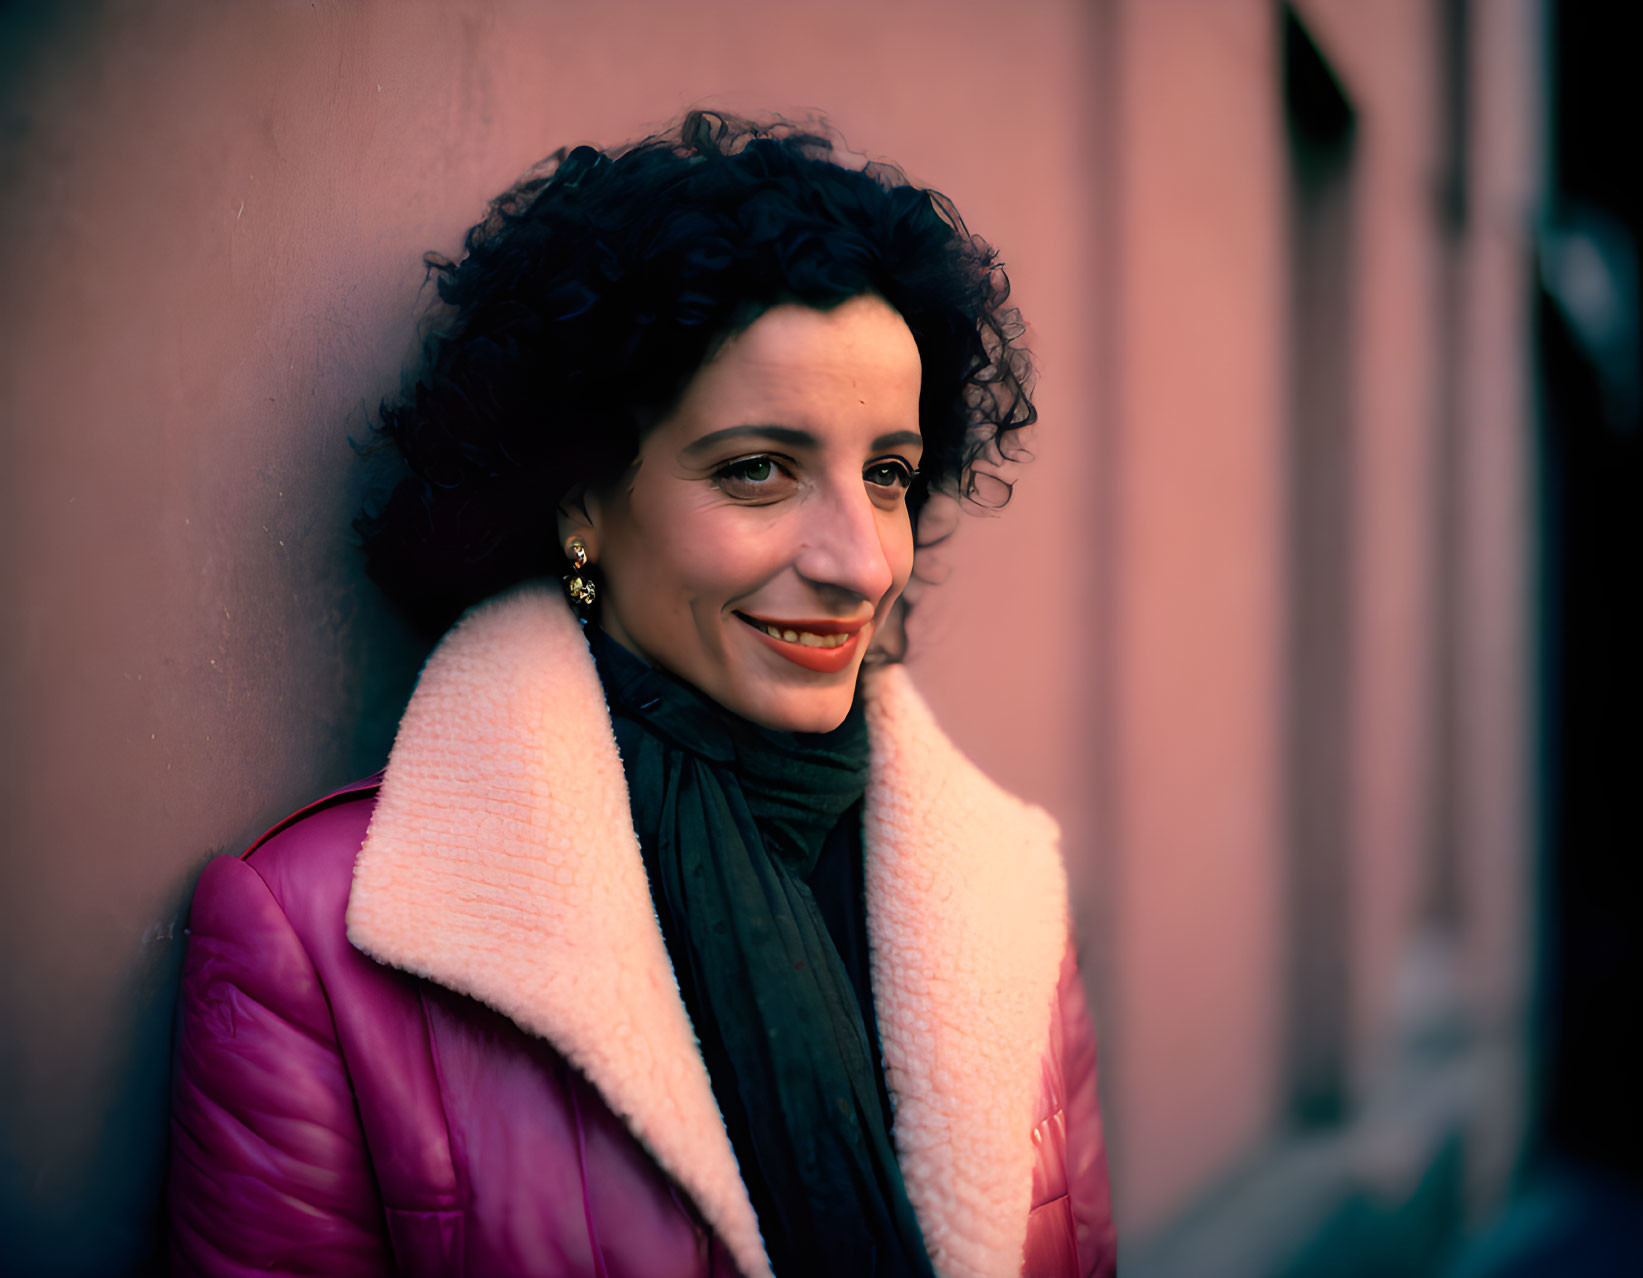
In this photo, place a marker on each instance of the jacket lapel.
(967, 924)
(501, 862)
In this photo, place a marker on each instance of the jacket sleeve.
(1070, 1229)
(269, 1170)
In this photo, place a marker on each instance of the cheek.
(898, 549)
(704, 559)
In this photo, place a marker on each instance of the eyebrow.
(793, 437)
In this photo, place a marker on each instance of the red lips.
(822, 660)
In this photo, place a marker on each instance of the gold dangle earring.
(578, 585)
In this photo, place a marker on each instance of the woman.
(674, 938)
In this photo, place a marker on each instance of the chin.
(804, 713)
(813, 723)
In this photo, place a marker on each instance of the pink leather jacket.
(428, 1027)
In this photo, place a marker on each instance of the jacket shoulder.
(307, 858)
(269, 1157)
(355, 791)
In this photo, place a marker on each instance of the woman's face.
(756, 546)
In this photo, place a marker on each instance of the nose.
(843, 548)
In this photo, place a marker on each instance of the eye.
(890, 473)
(753, 477)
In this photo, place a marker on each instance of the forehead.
(858, 359)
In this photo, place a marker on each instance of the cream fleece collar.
(501, 862)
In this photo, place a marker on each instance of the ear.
(574, 519)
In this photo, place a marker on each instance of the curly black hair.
(596, 287)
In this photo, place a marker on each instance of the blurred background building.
(1315, 620)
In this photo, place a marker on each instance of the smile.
(809, 638)
(825, 645)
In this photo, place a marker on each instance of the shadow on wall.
(46, 1203)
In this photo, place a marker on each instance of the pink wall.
(1200, 946)
(1197, 601)
(1391, 65)
(1499, 540)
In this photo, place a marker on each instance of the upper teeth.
(805, 637)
